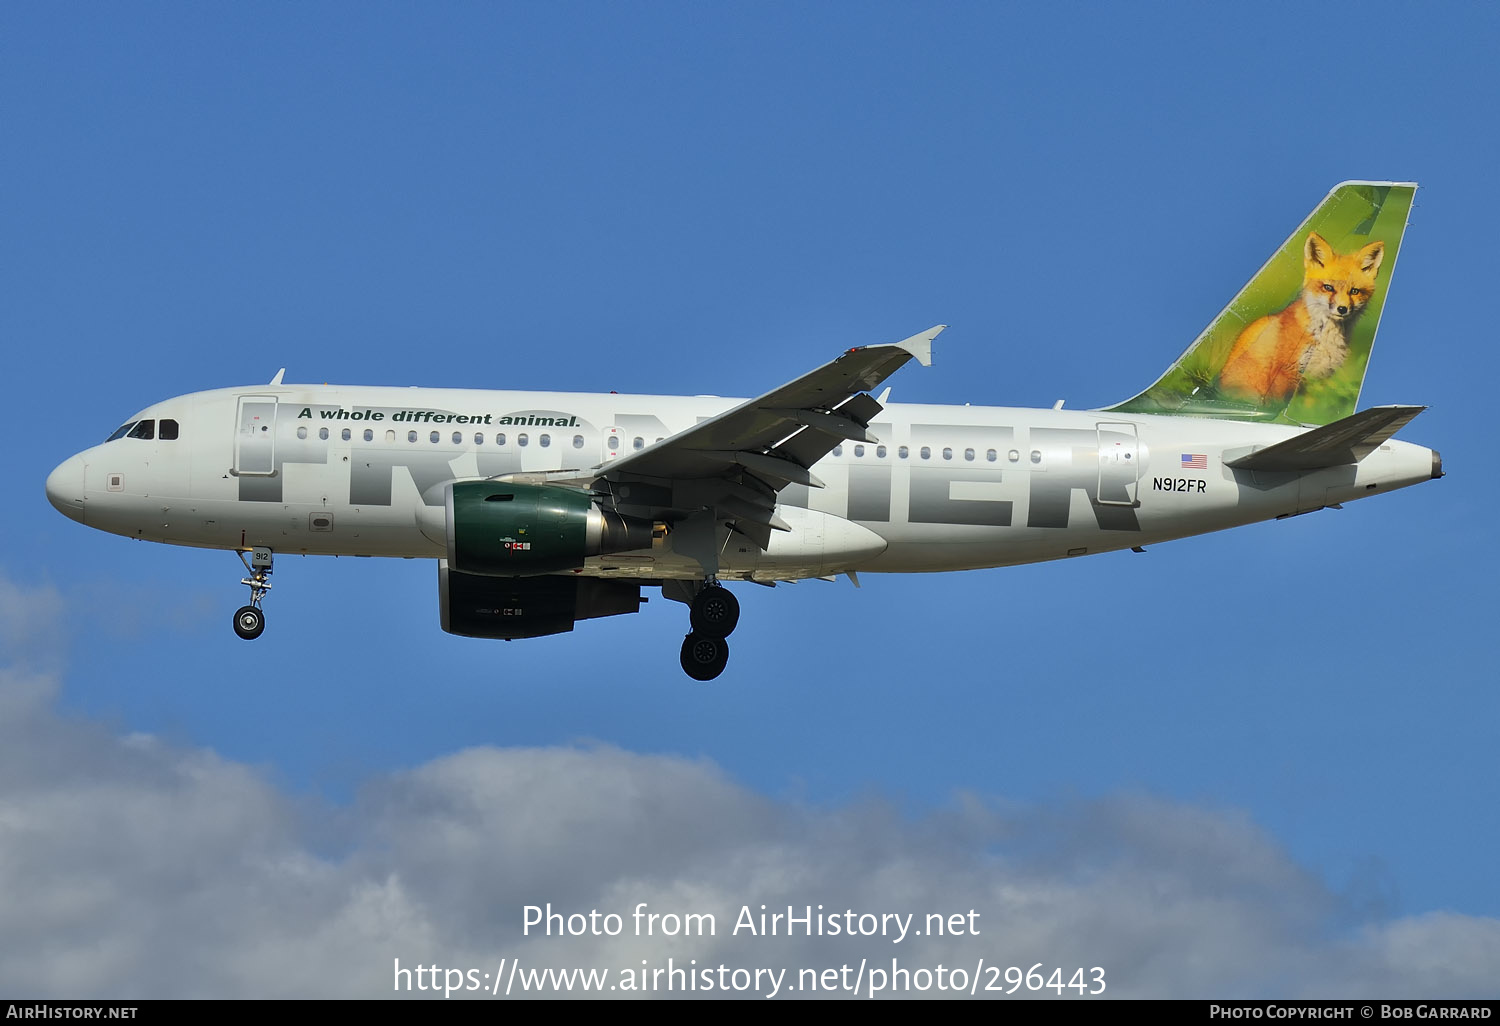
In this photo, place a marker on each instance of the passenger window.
(143, 429)
(859, 450)
(838, 450)
(323, 434)
(1036, 455)
(390, 436)
(346, 434)
(902, 452)
(880, 452)
(578, 441)
(168, 431)
(926, 452)
(411, 436)
(499, 437)
(947, 453)
(433, 437)
(545, 440)
(969, 455)
(991, 455)
(614, 442)
(302, 432)
(521, 439)
(639, 443)
(479, 438)
(1013, 455)
(458, 438)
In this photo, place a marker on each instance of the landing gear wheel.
(704, 656)
(715, 611)
(249, 622)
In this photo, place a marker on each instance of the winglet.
(277, 379)
(920, 345)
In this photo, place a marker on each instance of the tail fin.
(1293, 346)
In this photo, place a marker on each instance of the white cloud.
(29, 621)
(134, 868)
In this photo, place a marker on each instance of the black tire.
(249, 622)
(715, 611)
(704, 656)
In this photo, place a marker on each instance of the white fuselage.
(345, 470)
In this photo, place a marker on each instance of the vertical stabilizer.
(1293, 346)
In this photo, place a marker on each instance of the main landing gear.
(249, 621)
(714, 612)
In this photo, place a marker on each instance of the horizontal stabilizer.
(1333, 445)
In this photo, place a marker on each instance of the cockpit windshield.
(147, 429)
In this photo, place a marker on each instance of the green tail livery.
(1293, 346)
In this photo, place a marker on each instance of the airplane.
(543, 509)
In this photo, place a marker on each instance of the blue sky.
(687, 198)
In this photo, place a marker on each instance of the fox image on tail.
(1308, 340)
(1301, 362)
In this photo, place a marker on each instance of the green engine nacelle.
(518, 530)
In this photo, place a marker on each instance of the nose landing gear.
(714, 613)
(250, 621)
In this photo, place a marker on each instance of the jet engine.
(501, 529)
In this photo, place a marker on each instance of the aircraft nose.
(65, 488)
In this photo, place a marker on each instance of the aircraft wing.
(735, 463)
(1333, 445)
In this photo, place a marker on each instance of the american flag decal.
(1194, 461)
